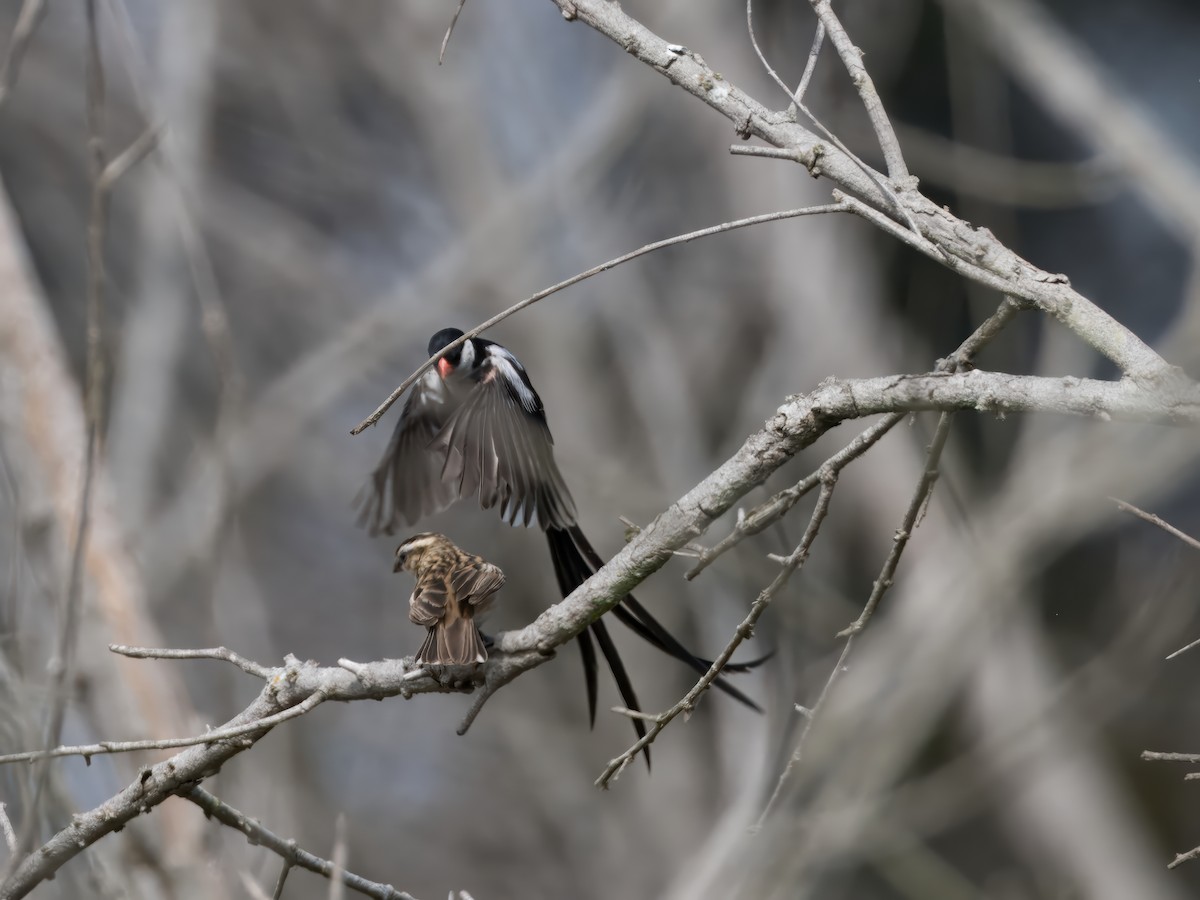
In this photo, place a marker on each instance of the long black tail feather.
(650, 629)
(575, 558)
(621, 677)
(570, 570)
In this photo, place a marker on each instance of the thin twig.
(796, 424)
(904, 532)
(27, 23)
(952, 242)
(450, 30)
(811, 66)
(338, 858)
(1156, 520)
(882, 583)
(142, 146)
(688, 703)
(797, 98)
(292, 855)
(248, 666)
(809, 715)
(575, 279)
(1184, 649)
(289, 862)
(852, 59)
(10, 837)
(62, 664)
(1172, 530)
(777, 506)
(222, 734)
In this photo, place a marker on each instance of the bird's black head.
(444, 337)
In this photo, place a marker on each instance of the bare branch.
(1058, 70)
(972, 252)
(852, 59)
(142, 146)
(294, 685)
(795, 425)
(450, 30)
(1156, 520)
(221, 734)
(797, 99)
(771, 511)
(777, 506)
(10, 837)
(582, 276)
(221, 653)
(1184, 857)
(338, 867)
(811, 65)
(62, 664)
(904, 532)
(1155, 756)
(292, 855)
(688, 703)
(809, 714)
(27, 23)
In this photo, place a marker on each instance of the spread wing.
(497, 442)
(475, 583)
(427, 605)
(406, 485)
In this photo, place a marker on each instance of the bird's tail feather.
(582, 559)
(571, 571)
(456, 644)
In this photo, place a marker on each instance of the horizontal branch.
(803, 419)
(799, 422)
(287, 687)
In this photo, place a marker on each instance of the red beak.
(444, 367)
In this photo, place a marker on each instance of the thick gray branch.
(286, 687)
(972, 252)
(795, 425)
(801, 421)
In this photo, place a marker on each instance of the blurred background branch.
(321, 196)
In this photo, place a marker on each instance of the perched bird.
(453, 589)
(474, 423)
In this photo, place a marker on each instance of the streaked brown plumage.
(453, 588)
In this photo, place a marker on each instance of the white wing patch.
(511, 370)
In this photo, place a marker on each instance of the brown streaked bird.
(475, 425)
(453, 589)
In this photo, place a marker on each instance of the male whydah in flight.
(474, 423)
(454, 589)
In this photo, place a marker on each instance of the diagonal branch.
(290, 687)
(799, 422)
(973, 252)
(292, 855)
(852, 59)
(582, 276)
(794, 561)
(777, 506)
(27, 23)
